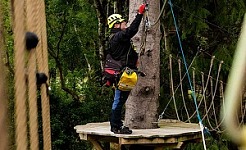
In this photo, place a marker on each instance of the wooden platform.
(172, 134)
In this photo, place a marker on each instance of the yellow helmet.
(114, 18)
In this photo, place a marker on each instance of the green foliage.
(67, 113)
(208, 28)
(72, 32)
(72, 27)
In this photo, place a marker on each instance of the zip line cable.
(192, 90)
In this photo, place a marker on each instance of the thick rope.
(3, 87)
(32, 87)
(20, 80)
(43, 67)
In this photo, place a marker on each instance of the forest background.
(208, 28)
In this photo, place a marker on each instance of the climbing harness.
(125, 79)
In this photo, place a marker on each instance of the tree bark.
(143, 102)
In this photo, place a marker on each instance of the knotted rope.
(31, 13)
(35, 22)
(42, 56)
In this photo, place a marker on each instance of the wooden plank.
(83, 136)
(175, 123)
(95, 143)
(158, 140)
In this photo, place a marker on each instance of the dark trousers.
(120, 98)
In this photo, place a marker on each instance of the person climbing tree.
(122, 52)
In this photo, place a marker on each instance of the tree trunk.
(143, 102)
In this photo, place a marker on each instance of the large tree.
(143, 102)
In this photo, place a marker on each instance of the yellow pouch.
(128, 80)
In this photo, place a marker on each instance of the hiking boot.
(121, 130)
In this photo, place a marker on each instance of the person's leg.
(120, 98)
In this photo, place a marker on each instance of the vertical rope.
(222, 106)
(194, 79)
(20, 86)
(32, 92)
(3, 97)
(200, 103)
(215, 89)
(172, 88)
(181, 88)
(43, 66)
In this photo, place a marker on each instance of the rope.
(186, 68)
(159, 16)
(172, 89)
(223, 106)
(213, 97)
(43, 67)
(3, 97)
(205, 88)
(212, 101)
(20, 86)
(31, 11)
(181, 87)
(163, 112)
(193, 78)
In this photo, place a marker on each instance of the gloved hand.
(141, 9)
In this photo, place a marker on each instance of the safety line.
(186, 68)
